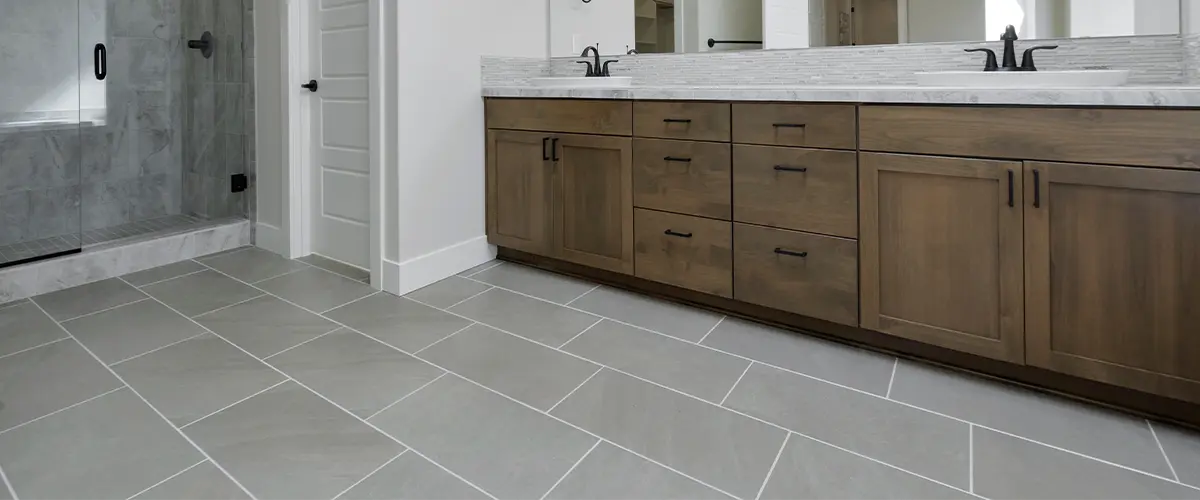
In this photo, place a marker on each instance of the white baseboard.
(400, 278)
(272, 239)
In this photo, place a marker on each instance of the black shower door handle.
(100, 60)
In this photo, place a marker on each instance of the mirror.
(688, 26)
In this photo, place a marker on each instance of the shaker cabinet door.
(594, 213)
(518, 191)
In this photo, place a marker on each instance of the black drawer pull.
(676, 158)
(1037, 189)
(676, 120)
(545, 155)
(1010, 188)
(783, 168)
(673, 233)
(781, 251)
(788, 125)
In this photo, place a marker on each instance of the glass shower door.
(46, 79)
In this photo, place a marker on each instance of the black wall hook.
(204, 44)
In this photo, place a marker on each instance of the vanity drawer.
(682, 176)
(1144, 137)
(685, 251)
(813, 190)
(696, 121)
(797, 272)
(578, 116)
(811, 125)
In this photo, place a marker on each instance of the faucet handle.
(604, 68)
(990, 64)
(1027, 59)
(590, 71)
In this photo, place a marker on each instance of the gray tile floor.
(248, 375)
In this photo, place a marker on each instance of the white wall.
(792, 24)
(724, 20)
(1101, 17)
(269, 23)
(575, 25)
(947, 21)
(1156, 17)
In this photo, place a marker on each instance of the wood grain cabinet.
(685, 251)
(594, 217)
(518, 191)
(1112, 270)
(941, 252)
(797, 272)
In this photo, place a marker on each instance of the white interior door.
(340, 132)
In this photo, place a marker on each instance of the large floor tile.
(811, 470)
(1183, 448)
(535, 282)
(289, 443)
(482, 267)
(86, 299)
(196, 377)
(130, 330)
(610, 473)
(861, 369)
(533, 374)
(682, 366)
(357, 373)
(448, 292)
(334, 266)
(47, 379)
(399, 322)
(411, 477)
(930, 445)
(23, 326)
(202, 482)
(1007, 467)
(530, 318)
(266, 325)
(714, 445)
(316, 289)
(507, 449)
(163, 273)
(676, 320)
(110, 447)
(1067, 424)
(199, 293)
(252, 264)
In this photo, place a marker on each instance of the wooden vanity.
(1055, 247)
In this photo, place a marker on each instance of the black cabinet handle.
(781, 251)
(1037, 189)
(676, 158)
(788, 125)
(554, 148)
(673, 233)
(545, 155)
(676, 120)
(784, 168)
(1010, 188)
(311, 86)
(100, 61)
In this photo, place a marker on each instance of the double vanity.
(1053, 246)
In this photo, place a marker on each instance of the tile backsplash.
(1191, 59)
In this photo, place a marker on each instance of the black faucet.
(1010, 57)
(596, 69)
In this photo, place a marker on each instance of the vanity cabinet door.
(941, 251)
(594, 213)
(518, 191)
(1112, 263)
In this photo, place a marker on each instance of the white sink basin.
(1024, 79)
(584, 81)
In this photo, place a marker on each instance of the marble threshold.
(102, 262)
(1163, 96)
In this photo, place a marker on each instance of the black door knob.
(311, 86)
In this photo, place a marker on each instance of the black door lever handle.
(311, 86)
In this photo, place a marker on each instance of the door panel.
(518, 191)
(595, 226)
(1113, 275)
(941, 252)
(340, 127)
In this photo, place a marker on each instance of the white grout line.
(235, 403)
(577, 335)
(710, 330)
(338, 329)
(365, 297)
(107, 309)
(156, 349)
(496, 263)
(880, 462)
(569, 302)
(139, 287)
(235, 304)
(438, 341)
(736, 382)
(223, 253)
(60, 410)
(564, 398)
(368, 476)
(414, 391)
(572, 469)
(489, 288)
(12, 492)
(39, 346)
(971, 458)
(771, 471)
(1163, 450)
(280, 275)
(172, 476)
(892, 380)
(147, 402)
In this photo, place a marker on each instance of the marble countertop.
(1135, 96)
